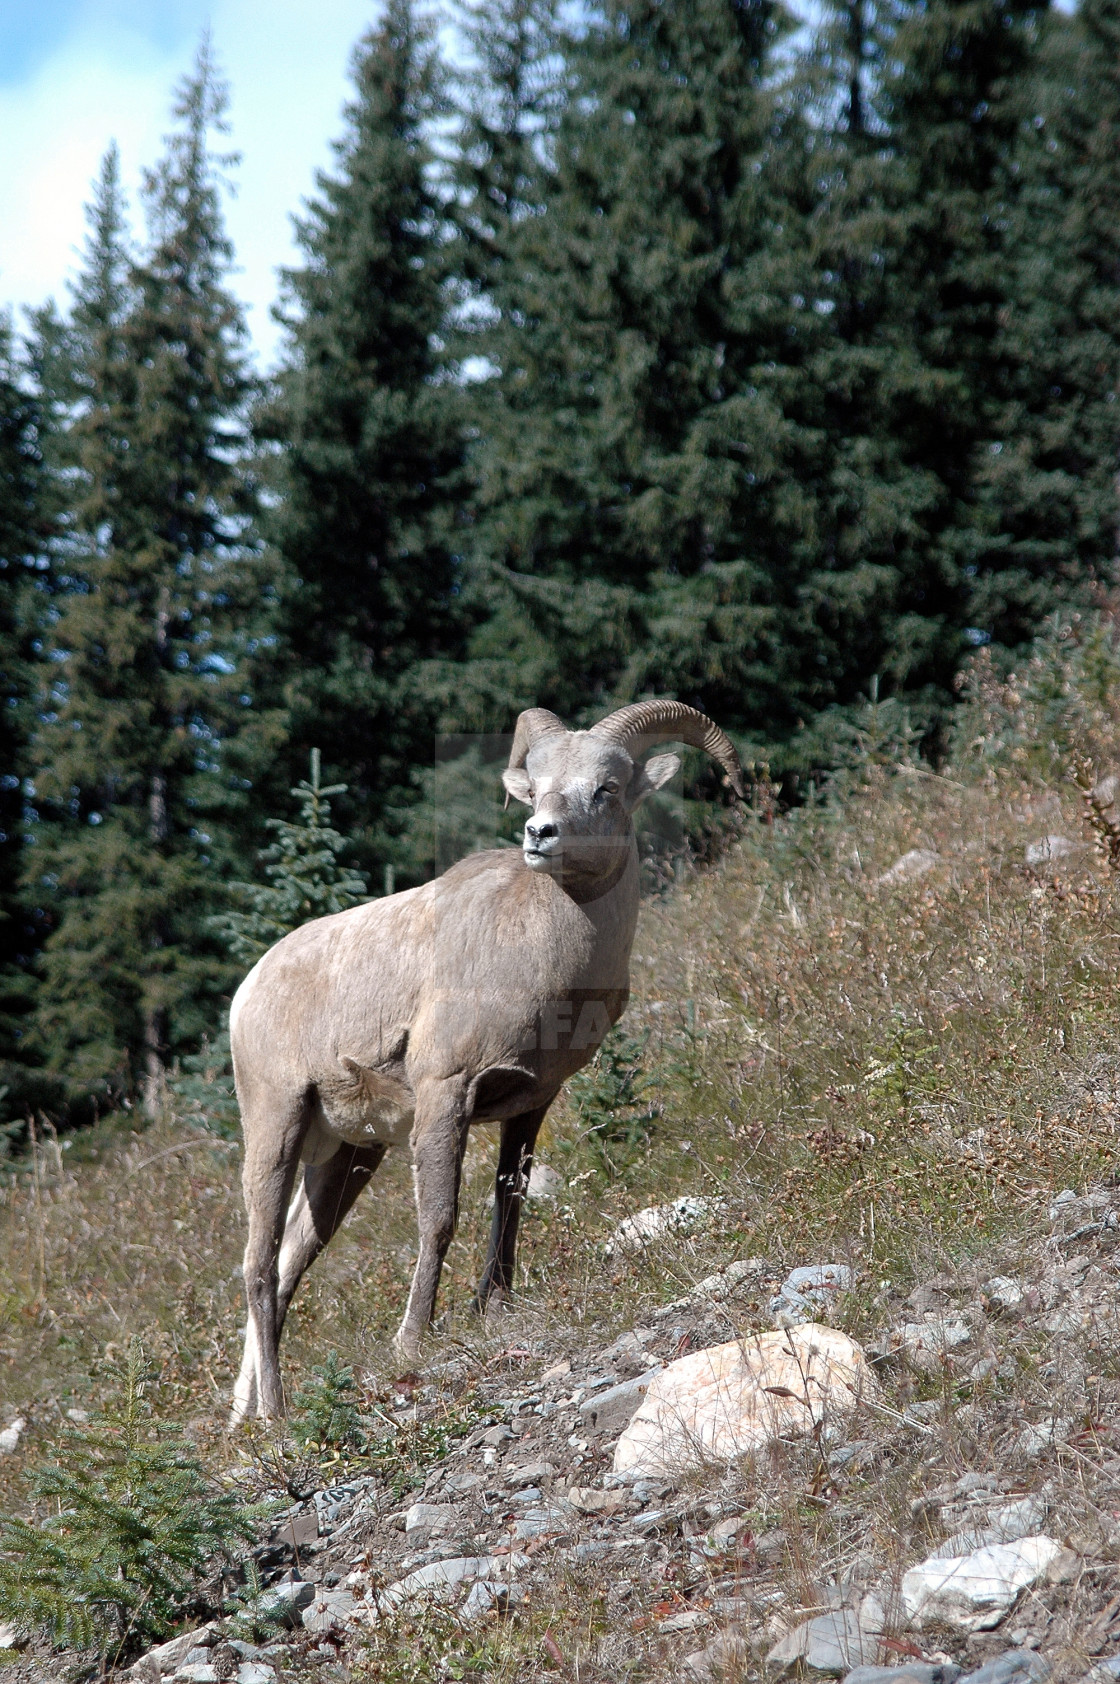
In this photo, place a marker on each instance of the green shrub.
(128, 1522)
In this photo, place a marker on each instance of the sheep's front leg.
(439, 1138)
(515, 1160)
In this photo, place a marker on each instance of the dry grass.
(898, 1075)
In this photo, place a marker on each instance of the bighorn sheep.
(470, 999)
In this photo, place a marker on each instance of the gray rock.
(329, 1610)
(727, 1650)
(255, 1672)
(914, 863)
(285, 1602)
(807, 1291)
(910, 1672)
(614, 1409)
(1017, 1666)
(199, 1672)
(1022, 1519)
(439, 1577)
(529, 1473)
(167, 1657)
(429, 1517)
(1004, 1293)
(830, 1643)
(543, 1522)
(1049, 848)
(544, 1183)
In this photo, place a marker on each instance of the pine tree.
(21, 548)
(367, 424)
(141, 696)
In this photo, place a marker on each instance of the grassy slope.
(894, 1076)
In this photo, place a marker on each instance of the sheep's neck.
(584, 893)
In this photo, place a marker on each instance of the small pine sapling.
(610, 1095)
(128, 1524)
(326, 1410)
(306, 879)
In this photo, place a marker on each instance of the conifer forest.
(657, 347)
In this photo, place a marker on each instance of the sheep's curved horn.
(531, 726)
(643, 724)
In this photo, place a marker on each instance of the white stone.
(1034, 1440)
(729, 1649)
(830, 1643)
(9, 1636)
(330, 1610)
(733, 1399)
(10, 1437)
(690, 1620)
(439, 1577)
(255, 1672)
(1004, 1293)
(808, 1290)
(1049, 848)
(198, 1672)
(1021, 1519)
(480, 1600)
(166, 1657)
(913, 864)
(544, 1182)
(682, 1216)
(589, 1501)
(973, 1592)
(429, 1517)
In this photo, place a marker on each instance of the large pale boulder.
(730, 1400)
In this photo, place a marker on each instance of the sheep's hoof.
(406, 1347)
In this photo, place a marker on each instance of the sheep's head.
(584, 786)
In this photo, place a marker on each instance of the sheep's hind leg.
(515, 1160)
(439, 1138)
(271, 1161)
(324, 1197)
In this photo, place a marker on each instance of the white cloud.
(286, 61)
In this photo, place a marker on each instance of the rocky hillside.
(816, 1359)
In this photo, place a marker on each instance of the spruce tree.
(366, 421)
(140, 700)
(632, 529)
(910, 262)
(22, 538)
(1048, 471)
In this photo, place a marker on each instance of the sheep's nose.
(542, 831)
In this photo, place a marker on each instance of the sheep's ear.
(516, 781)
(651, 776)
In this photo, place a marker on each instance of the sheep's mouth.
(540, 856)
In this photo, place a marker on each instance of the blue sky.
(76, 74)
